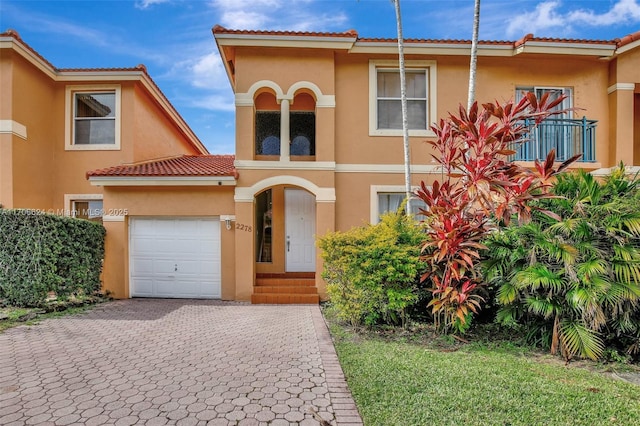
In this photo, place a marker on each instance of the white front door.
(300, 227)
(175, 257)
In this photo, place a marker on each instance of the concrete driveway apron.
(178, 362)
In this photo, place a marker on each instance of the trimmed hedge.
(42, 253)
(373, 272)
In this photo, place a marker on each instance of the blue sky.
(173, 37)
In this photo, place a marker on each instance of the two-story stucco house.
(319, 148)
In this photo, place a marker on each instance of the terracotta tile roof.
(531, 37)
(14, 34)
(630, 38)
(353, 33)
(187, 165)
(218, 29)
(433, 41)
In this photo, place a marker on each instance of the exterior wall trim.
(620, 86)
(281, 165)
(111, 218)
(387, 168)
(247, 194)
(14, 128)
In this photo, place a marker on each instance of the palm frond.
(537, 276)
(541, 306)
(579, 340)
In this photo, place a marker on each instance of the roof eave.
(449, 49)
(562, 48)
(304, 41)
(162, 180)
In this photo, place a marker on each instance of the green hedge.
(42, 253)
(373, 272)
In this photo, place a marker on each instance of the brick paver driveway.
(184, 362)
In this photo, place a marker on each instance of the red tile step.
(285, 289)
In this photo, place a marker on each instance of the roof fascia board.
(557, 48)
(162, 181)
(431, 49)
(311, 42)
(627, 47)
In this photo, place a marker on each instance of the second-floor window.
(267, 132)
(385, 102)
(389, 101)
(93, 117)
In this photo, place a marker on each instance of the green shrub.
(41, 253)
(574, 281)
(372, 272)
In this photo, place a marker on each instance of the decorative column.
(284, 130)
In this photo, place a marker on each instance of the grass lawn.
(413, 383)
(12, 317)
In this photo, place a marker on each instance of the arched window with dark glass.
(302, 126)
(267, 124)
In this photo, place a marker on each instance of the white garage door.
(175, 257)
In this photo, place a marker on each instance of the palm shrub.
(577, 279)
(372, 272)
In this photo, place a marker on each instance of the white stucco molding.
(247, 194)
(112, 218)
(14, 128)
(620, 86)
(246, 99)
(322, 101)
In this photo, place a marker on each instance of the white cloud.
(215, 102)
(548, 15)
(543, 17)
(624, 11)
(295, 15)
(144, 4)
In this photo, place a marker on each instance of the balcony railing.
(567, 136)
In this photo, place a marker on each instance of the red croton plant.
(480, 189)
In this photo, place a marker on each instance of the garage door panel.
(144, 287)
(160, 246)
(164, 267)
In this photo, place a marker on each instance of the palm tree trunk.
(403, 102)
(474, 55)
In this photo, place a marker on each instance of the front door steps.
(287, 288)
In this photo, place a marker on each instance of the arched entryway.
(285, 230)
(287, 213)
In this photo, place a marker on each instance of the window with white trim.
(385, 108)
(93, 118)
(84, 206)
(389, 198)
(88, 209)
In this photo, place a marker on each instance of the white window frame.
(431, 71)
(69, 107)
(69, 199)
(381, 189)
